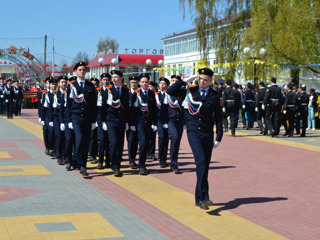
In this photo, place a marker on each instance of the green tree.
(107, 44)
(81, 56)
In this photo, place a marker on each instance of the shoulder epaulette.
(65, 91)
(44, 91)
(192, 86)
(109, 87)
(72, 81)
(157, 92)
(125, 87)
(55, 91)
(98, 88)
(137, 90)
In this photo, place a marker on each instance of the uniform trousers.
(163, 141)
(291, 117)
(116, 141)
(50, 135)
(70, 154)
(103, 145)
(274, 122)
(152, 143)
(132, 139)
(261, 114)
(250, 115)
(2, 105)
(201, 145)
(144, 133)
(10, 108)
(82, 131)
(93, 145)
(175, 130)
(232, 113)
(57, 136)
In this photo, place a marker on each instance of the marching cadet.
(146, 118)
(9, 97)
(2, 100)
(175, 125)
(230, 101)
(290, 107)
(303, 101)
(248, 105)
(201, 102)
(238, 103)
(153, 86)
(163, 118)
(220, 90)
(81, 108)
(115, 119)
(103, 139)
(297, 116)
(261, 110)
(18, 98)
(70, 154)
(42, 97)
(132, 135)
(93, 145)
(54, 121)
(47, 114)
(273, 103)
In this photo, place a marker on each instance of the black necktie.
(203, 92)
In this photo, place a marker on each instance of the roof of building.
(127, 58)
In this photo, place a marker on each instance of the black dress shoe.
(206, 203)
(100, 166)
(199, 204)
(68, 167)
(117, 173)
(133, 165)
(163, 164)
(47, 152)
(143, 171)
(60, 161)
(175, 169)
(51, 153)
(83, 172)
(95, 161)
(262, 132)
(91, 158)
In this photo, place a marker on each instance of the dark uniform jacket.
(163, 116)
(18, 93)
(176, 114)
(63, 117)
(210, 111)
(260, 97)
(303, 101)
(273, 97)
(230, 97)
(9, 93)
(88, 107)
(249, 99)
(291, 101)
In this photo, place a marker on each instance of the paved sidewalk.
(262, 188)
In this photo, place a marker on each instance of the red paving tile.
(8, 145)
(12, 193)
(17, 155)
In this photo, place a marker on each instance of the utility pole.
(45, 51)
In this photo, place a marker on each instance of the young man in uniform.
(290, 108)
(249, 105)
(200, 105)
(261, 113)
(9, 97)
(81, 108)
(2, 100)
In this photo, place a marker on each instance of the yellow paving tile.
(27, 170)
(8, 227)
(29, 126)
(180, 205)
(4, 154)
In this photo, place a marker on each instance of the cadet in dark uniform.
(132, 135)
(93, 145)
(261, 109)
(273, 102)
(175, 125)
(220, 90)
(153, 86)
(103, 147)
(146, 118)
(9, 97)
(42, 97)
(248, 104)
(201, 102)
(18, 98)
(303, 102)
(116, 118)
(2, 100)
(162, 105)
(230, 101)
(81, 108)
(290, 108)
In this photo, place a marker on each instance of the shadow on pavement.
(240, 201)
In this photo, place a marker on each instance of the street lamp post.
(52, 74)
(149, 62)
(100, 60)
(262, 51)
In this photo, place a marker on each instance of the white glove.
(93, 126)
(133, 128)
(7, 100)
(104, 126)
(165, 126)
(96, 124)
(51, 124)
(243, 106)
(42, 122)
(190, 79)
(70, 125)
(215, 144)
(262, 107)
(224, 110)
(62, 127)
(256, 109)
(39, 120)
(284, 111)
(127, 126)
(298, 113)
(2, 96)
(14, 100)
(154, 128)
